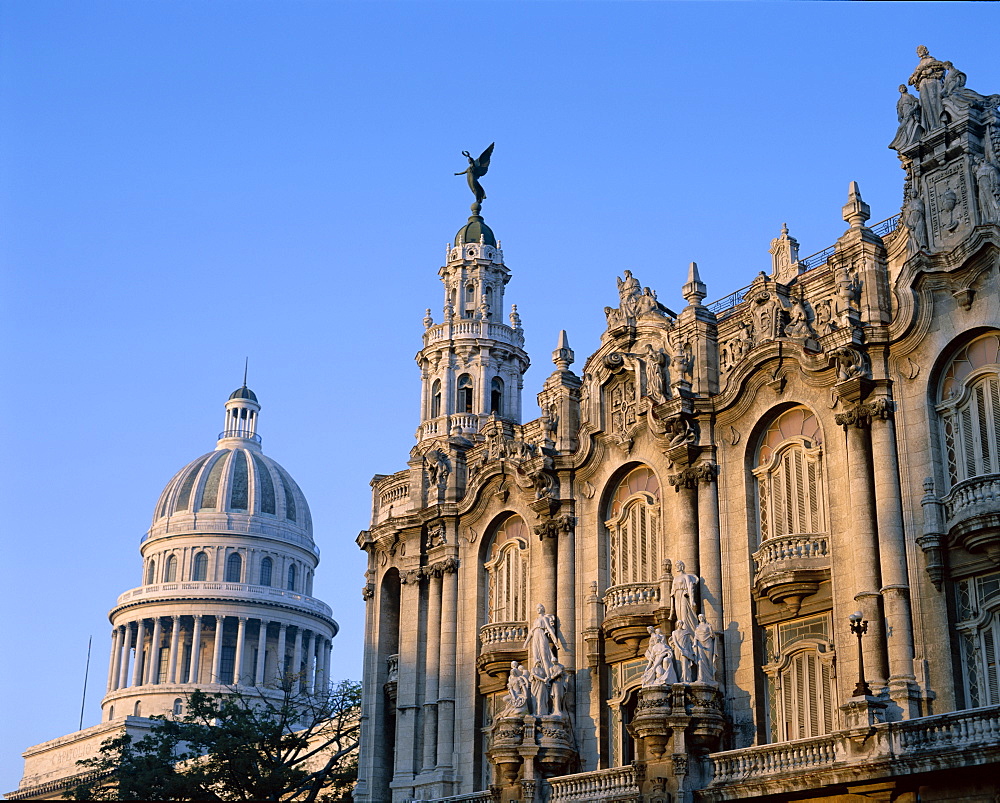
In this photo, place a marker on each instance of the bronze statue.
(476, 170)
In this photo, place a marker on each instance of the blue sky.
(185, 184)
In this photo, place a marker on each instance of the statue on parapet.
(476, 170)
(928, 80)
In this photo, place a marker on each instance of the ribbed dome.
(238, 488)
(243, 393)
(473, 230)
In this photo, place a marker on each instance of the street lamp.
(859, 626)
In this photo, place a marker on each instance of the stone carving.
(682, 640)
(704, 650)
(660, 668)
(550, 424)
(914, 217)
(654, 374)
(476, 170)
(428, 319)
(862, 415)
(515, 319)
(684, 598)
(438, 467)
(558, 683)
(954, 96)
(539, 691)
(550, 528)
(927, 78)
(634, 302)
(542, 641)
(798, 327)
(518, 689)
(988, 191)
(823, 321)
(436, 536)
(846, 310)
(908, 113)
(851, 363)
(623, 417)
(367, 591)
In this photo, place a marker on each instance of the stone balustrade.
(465, 327)
(631, 594)
(736, 766)
(617, 783)
(471, 797)
(392, 495)
(243, 591)
(504, 634)
(973, 728)
(972, 497)
(792, 548)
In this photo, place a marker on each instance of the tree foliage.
(242, 745)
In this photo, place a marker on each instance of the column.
(327, 659)
(432, 666)
(175, 643)
(261, 653)
(122, 680)
(282, 635)
(308, 649)
(241, 640)
(115, 658)
(195, 651)
(686, 523)
(217, 656)
(892, 552)
(140, 637)
(297, 659)
(407, 760)
(864, 542)
(544, 592)
(709, 546)
(446, 685)
(566, 590)
(153, 673)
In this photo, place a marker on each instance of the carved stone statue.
(542, 641)
(476, 170)
(558, 681)
(518, 691)
(954, 96)
(798, 327)
(704, 650)
(916, 225)
(988, 190)
(908, 113)
(654, 373)
(660, 669)
(539, 689)
(684, 598)
(927, 78)
(682, 640)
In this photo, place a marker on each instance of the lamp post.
(859, 626)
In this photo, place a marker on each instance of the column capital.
(707, 472)
(861, 415)
(688, 478)
(552, 527)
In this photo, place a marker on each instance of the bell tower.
(472, 363)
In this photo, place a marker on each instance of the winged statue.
(476, 170)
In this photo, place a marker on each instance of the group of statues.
(689, 653)
(541, 689)
(634, 302)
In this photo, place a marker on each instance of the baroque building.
(224, 602)
(751, 549)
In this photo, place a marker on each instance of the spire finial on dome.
(246, 365)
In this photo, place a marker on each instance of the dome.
(473, 230)
(243, 393)
(234, 488)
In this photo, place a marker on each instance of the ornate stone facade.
(646, 594)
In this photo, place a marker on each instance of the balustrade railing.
(735, 766)
(503, 633)
(972, 496)
(789, 548)
(465, 327)
(614, 783)
(975, 727)
(393, 489)
(239, 433)
(471, 797)
(631, 594)
(277, 595)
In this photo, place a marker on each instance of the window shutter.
(968, 443)
(983, 427)
(990, 655)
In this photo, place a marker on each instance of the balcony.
(392, 496)
(972, 514)
(629, 609)
(502, 642)
(790, 568)
(236, 591)
(473, 328)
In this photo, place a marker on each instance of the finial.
(563, 355)
(476, 170)
(856, 211)
(428, 319)
(515, 319)
(784, 229)
(246, 365)
(694, 290)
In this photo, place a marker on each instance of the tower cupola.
(241, 419)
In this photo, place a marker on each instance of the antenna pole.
(86, 674)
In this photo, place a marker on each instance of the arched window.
(170, 574)
(111, 712)
(199, 570)
(150, 572)
(800, 683)
(178, 707)
(969, 410)
(633, 522)
(291, 577)
(234, 568)
(789, 476)
(496, 396)
(507, 573)
(464, 394)
(978, 607)
(137, 709)
(265, 571)
(436, 398)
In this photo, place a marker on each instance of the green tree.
(241, 745)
